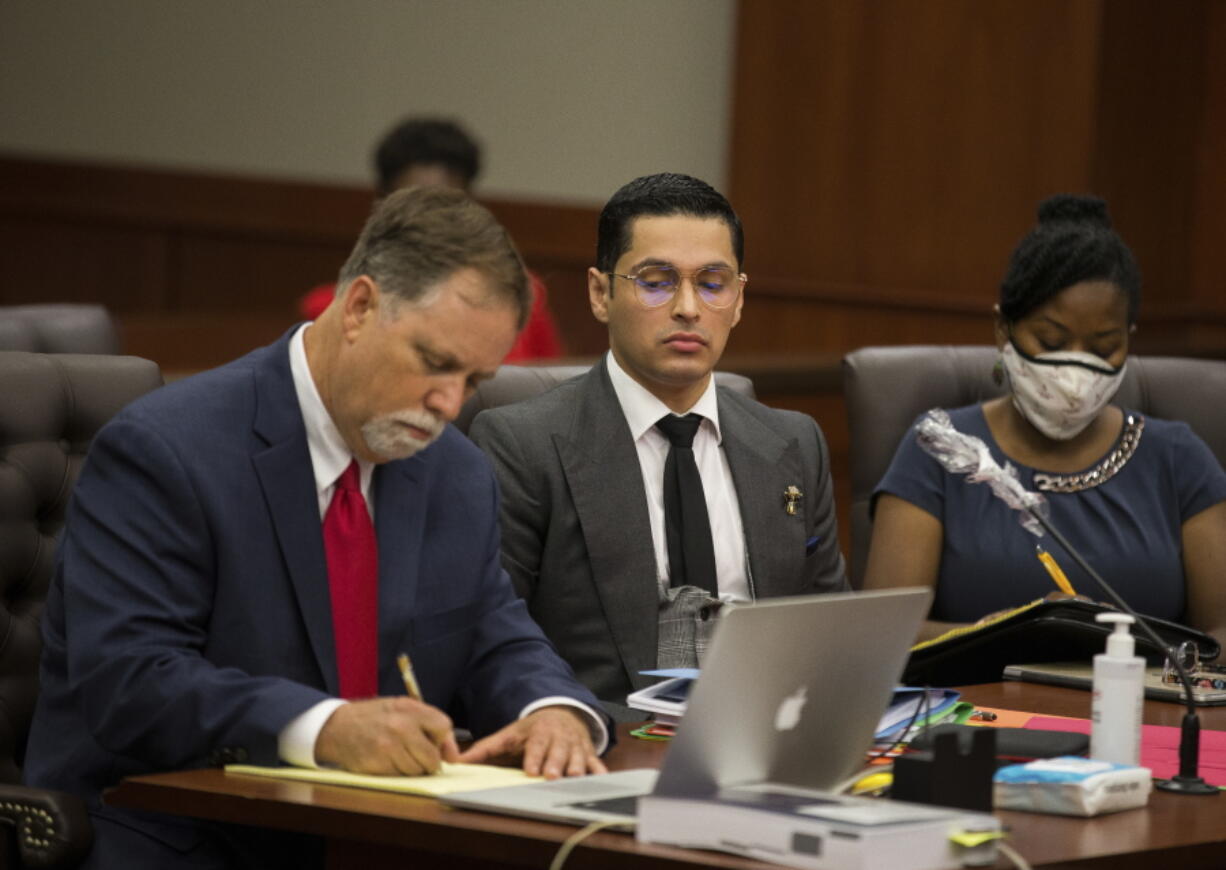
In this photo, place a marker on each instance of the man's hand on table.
(388, 736)
(554, 742)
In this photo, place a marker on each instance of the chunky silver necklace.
(1108, 468)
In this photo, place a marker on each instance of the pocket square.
(811, 545)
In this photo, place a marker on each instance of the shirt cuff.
(296, 742)
(595, 722)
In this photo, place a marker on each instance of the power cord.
(582, 834)
(1013, 855)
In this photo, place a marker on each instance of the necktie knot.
(351, 478)
(680, 431)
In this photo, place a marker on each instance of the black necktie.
(691, 555)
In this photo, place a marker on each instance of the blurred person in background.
(434, 152)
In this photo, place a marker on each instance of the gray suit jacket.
(576, 538)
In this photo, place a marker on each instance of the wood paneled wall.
(200, 268)
(887, 156)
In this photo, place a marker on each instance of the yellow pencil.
(410, 681)
(1053, 569)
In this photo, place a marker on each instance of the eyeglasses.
(656, 285)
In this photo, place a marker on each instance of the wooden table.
(370, 829)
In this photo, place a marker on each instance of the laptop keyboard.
(580, 787)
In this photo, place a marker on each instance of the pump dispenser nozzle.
(1120, 643)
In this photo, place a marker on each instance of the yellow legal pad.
(452, 778)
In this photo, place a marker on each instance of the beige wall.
(570, 97)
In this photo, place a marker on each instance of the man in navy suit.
(195, 617)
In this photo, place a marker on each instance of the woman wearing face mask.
(1143, 499)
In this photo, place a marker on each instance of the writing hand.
(389, 736)
(554, 742)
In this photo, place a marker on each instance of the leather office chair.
(886, 388)
(50, 407)
(515, 383)
(58, 329)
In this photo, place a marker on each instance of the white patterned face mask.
(1060, 393)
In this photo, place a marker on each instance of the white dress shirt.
(641, 410)
(330, 457)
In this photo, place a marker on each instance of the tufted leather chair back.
(58, 328)
(516, 383)
(886, 388)
(50, 407)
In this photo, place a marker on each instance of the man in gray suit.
(640, 497)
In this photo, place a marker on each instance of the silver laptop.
(790, 693)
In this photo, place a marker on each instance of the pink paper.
(1159, 747)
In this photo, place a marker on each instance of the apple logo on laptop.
(788, 715)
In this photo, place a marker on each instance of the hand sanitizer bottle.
(1119, 688)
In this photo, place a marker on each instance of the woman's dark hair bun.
(1074, 209)
(1073, 242)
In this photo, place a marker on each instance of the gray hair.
(418, 237)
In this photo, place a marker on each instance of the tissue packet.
(1071, 786)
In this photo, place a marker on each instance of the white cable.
(582, 834)
(1013, 855)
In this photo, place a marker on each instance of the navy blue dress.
(1127, 528)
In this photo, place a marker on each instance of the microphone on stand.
(960, 453)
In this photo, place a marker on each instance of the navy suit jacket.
(189, 617)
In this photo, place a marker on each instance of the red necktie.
(353, 579)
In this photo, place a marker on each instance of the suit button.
(227, 755)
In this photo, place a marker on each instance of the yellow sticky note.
(971, 839)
